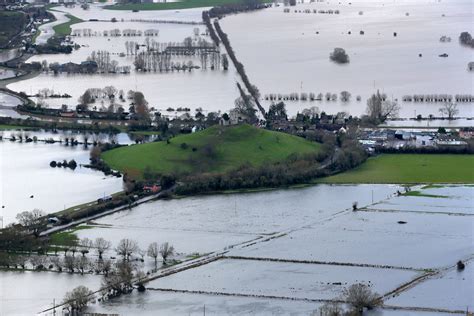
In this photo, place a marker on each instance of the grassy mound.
(410, 168)
(216, 149)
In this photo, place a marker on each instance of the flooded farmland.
(292, 248)
(288, 52)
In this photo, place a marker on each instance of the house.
(70, 68)
(104, 199)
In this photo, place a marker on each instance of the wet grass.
(13, 127)
(421, 194)
(409, 169)
(67, 238)
(65, 28)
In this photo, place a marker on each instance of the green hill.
(216, 149)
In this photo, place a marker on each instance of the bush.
(339, 56)
(360, 296)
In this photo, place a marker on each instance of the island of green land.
(216, 149)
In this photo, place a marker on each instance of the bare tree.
(360, 296)
(449, 109)
(153, 251)
(126, 247)
(166, 250)
(78, 299)
(101, 245)
(84, 245)
(70, 263)
(31, 220)
(82, 264)
(311, 112)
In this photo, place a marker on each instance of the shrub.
(360, 296)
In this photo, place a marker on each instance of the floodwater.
(283, 53)
(207, 223)
(162, 90)
(27, 181)
(27, 292)
(47, 29)
(7, 103)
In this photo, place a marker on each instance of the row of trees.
(252, 89)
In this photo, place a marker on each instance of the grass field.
(230, 148)
(184, 4)
(15, 127)
(65, 28)
(410, 168)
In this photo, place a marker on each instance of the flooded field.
(290, 249)
(28, 293)
(207, 223)
(289, 52)
(381, 247)
(162, 90)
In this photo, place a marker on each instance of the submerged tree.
(339, 56)
(166, 250)
(153, 251)
(78, 299)
(101, 245)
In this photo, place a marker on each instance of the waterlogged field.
(209, 223)
(285, 250)
(28, 293)
(162, 90)
(319, 255)
(450, 289)
(285, 280)
(288, 52)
